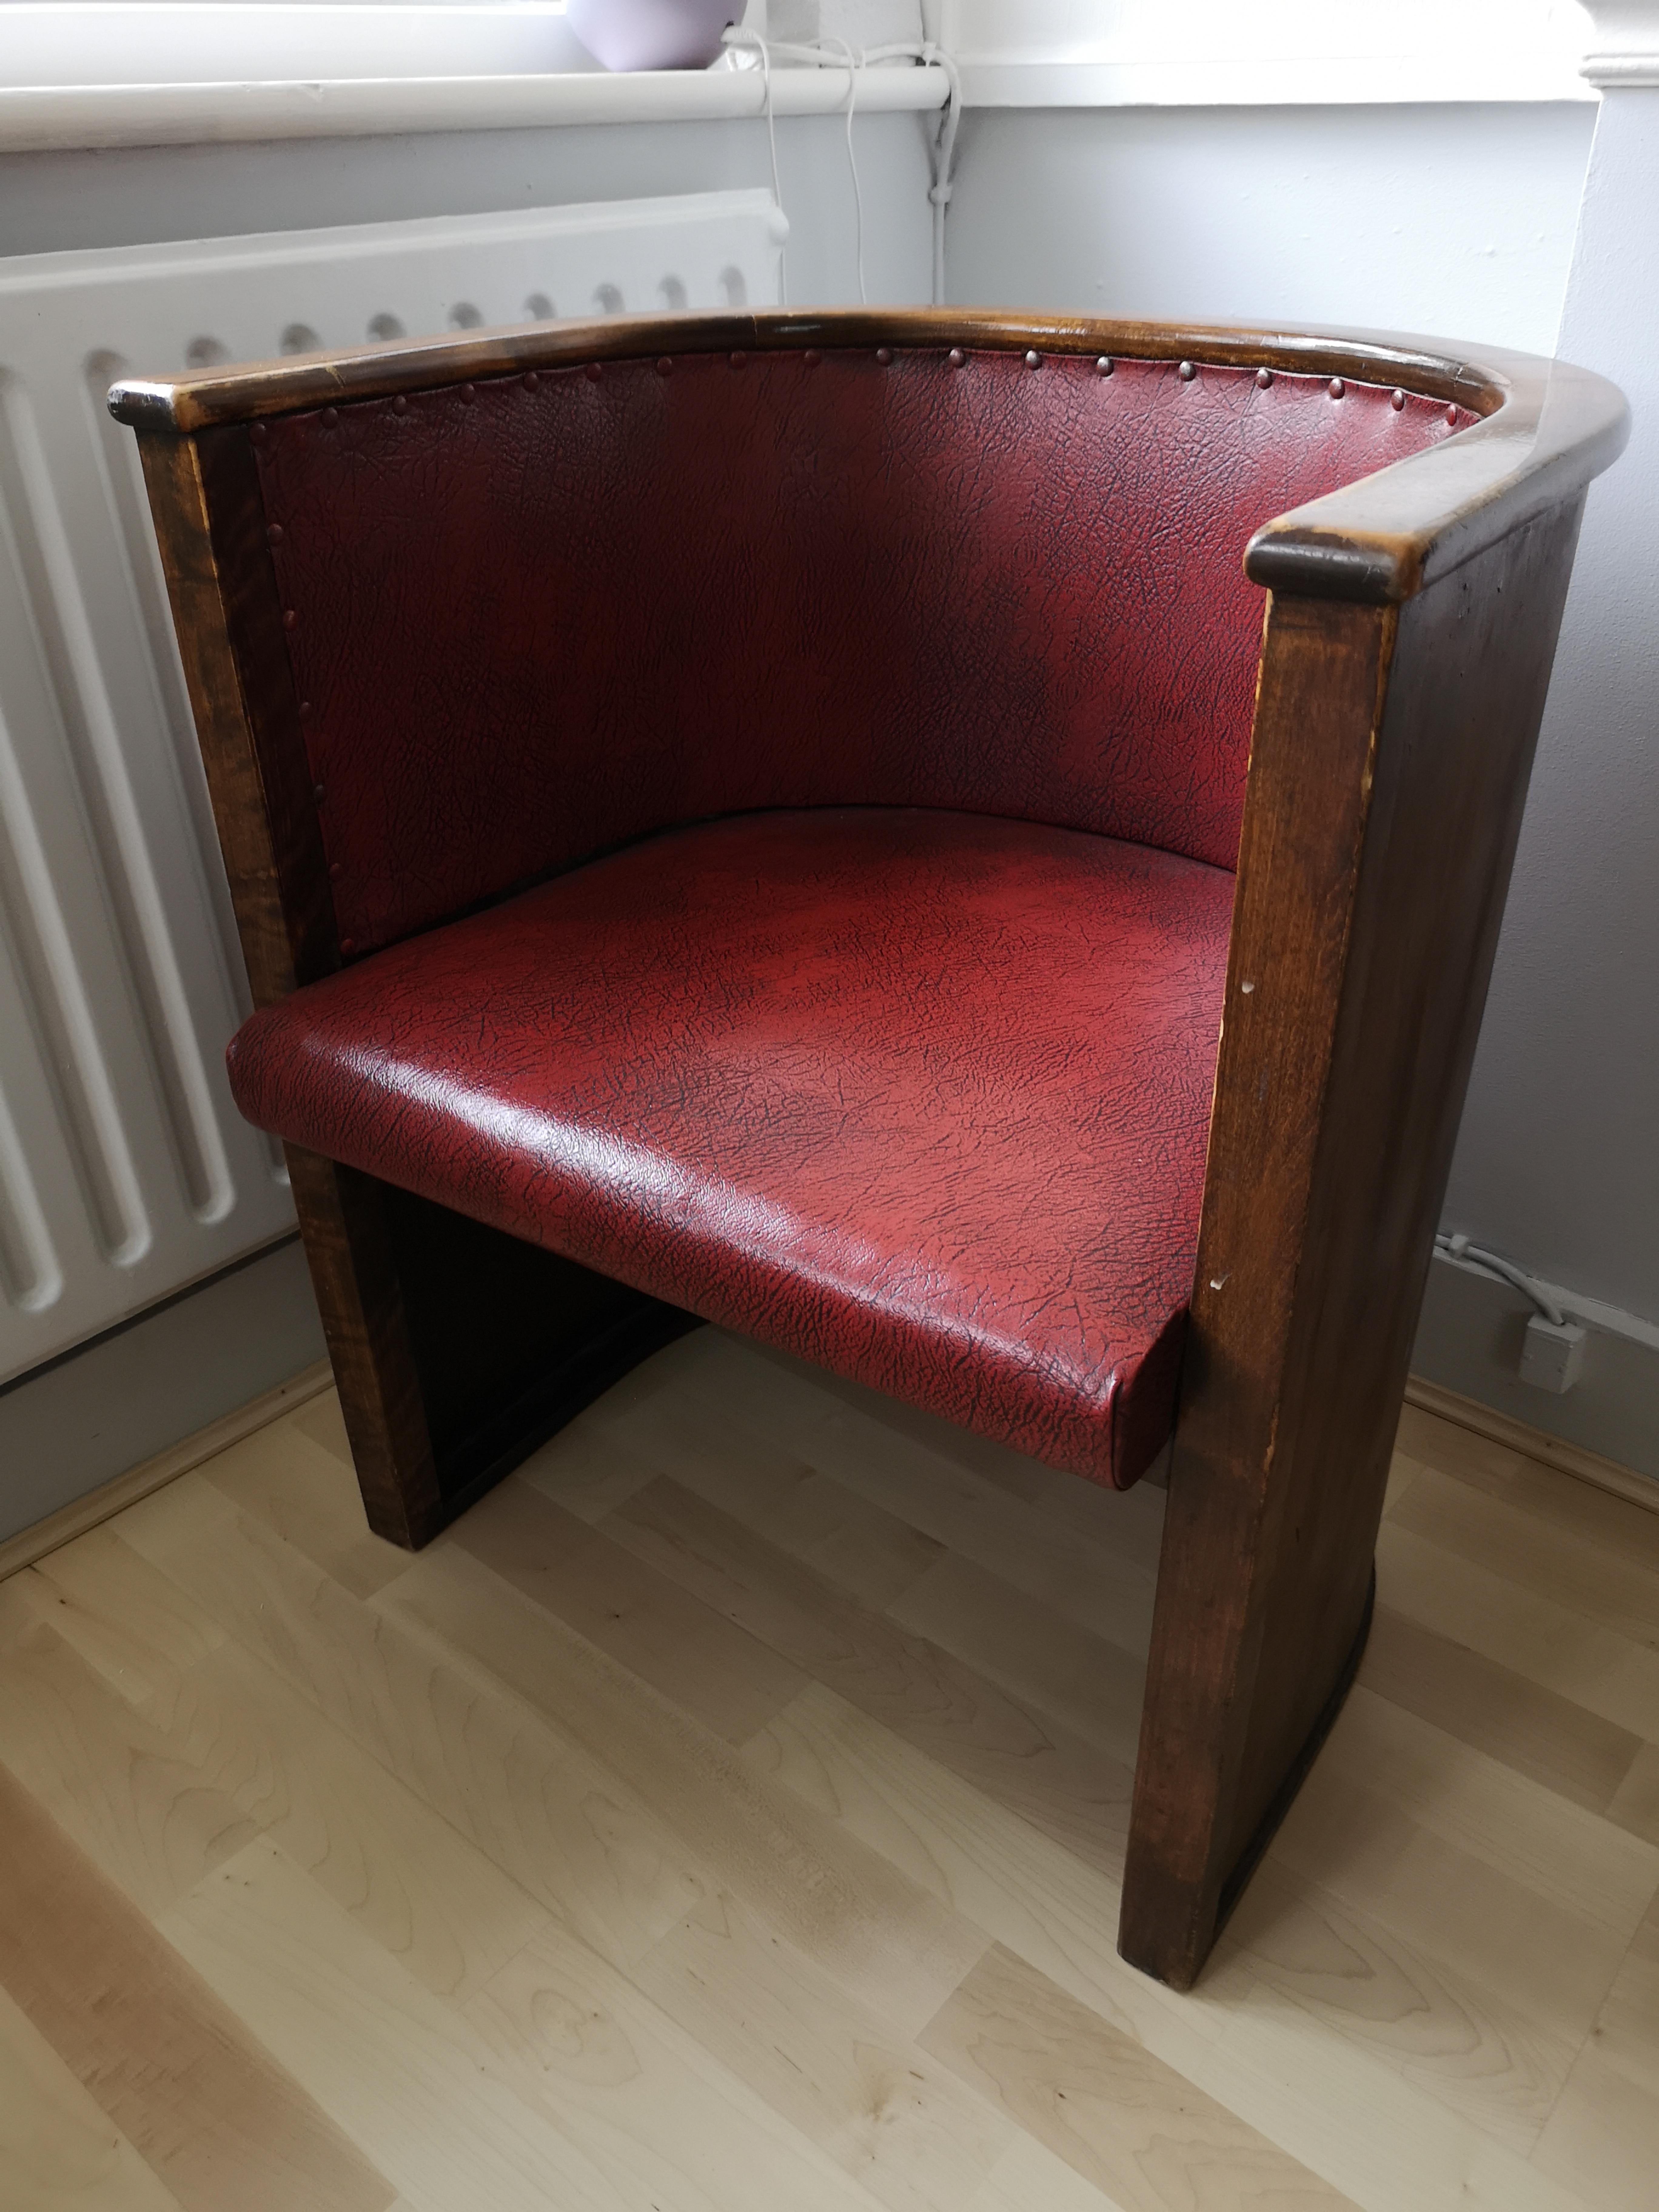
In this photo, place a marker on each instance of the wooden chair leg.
(1389, 770)
(457, 1349)
(1263, 1608)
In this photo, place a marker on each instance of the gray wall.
(49, 201)
(1559, 1153)
(1448, 219)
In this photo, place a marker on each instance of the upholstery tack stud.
(531, 380)
(1034, 361)
(957, 358)
(273, 533)
(739, 361)
(665, 366)
(318, 794)
(334, 871)
(592, 372)
(1336, 387)
(1451, 413)
(884, 356)
(400, 405)
(468, 393)
(330, 417)
(1398, 400)
(347, 944)
(305, 710)
(1103, 365)
(1264, 377)
(259, 433)
(289, 618)
(812, 356)
(1187, 372)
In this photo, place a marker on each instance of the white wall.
(1451, 219)
(123, 197)
(1558, 1158)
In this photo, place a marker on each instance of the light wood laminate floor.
(727, 1816)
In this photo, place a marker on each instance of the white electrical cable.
(735, 35)
(941, 153)
(1459, 1247)
(855, 61)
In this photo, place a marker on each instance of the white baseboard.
(129, 1397)
(1536, 1444)
(109, 1498)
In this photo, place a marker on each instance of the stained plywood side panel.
(361, 1299)
(1324, 676)
(1466, 687)
(178, 508)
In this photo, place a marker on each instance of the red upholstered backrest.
(541, 616)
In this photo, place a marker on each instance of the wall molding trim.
(1555, 1452)
(74, 1520)
(1626, 48)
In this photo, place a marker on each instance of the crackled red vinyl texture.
(922, 1096)
(536, 618)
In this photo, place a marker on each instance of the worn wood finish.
(1406, 657)
(1547, 428)
(1391, 751)
(524, 1875)
(456, 1351)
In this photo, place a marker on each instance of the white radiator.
(124, 1171)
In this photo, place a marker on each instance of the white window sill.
(106, 73)
(1258, 80)
(40, 117)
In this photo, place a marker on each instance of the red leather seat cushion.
(923, 1097)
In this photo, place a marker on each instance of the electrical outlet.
(1553, 1353)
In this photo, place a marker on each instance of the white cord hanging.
(1459, 1247)
(941, 152)
(736, 35)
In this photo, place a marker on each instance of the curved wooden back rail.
(457, 616)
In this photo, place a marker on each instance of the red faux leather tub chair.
(769, 818)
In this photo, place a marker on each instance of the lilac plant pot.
(651, 35)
